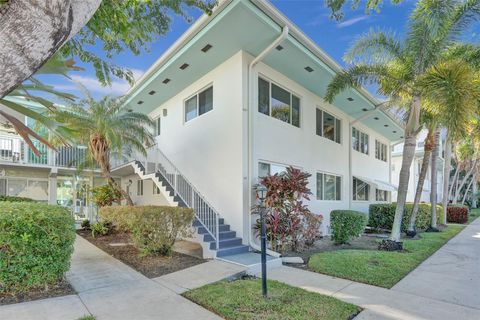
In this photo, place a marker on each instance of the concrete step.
(223, 235)
(226, 243)
(223, 252)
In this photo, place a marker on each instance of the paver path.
(109, 289)
(445, 286)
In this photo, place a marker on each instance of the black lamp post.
(261, 195)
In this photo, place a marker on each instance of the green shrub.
(85, 224)
(381, 215)
(106, 195)
(346, 225)
(100, 229)
(15, 199)
(36, 242)
(156, 228)
(117, 216)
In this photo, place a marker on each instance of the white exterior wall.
(283, 143)
(208, 149)
(148, 197)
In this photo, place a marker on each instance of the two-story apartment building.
(52, 177)
(240, 96)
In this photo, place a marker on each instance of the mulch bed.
(62, 288)
(150, 266)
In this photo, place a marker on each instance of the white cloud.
(91, 83)
(352, 21)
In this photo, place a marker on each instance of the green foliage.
(242, 299)
(117, 216)
(381, 268)
(346, 225)
(15, 199)
(154, 229)
(85, 224)
(100, 229)
(336, 6)
(381, 215)
(290, 225)
(36, 242)
(129, 25)
(106, 195)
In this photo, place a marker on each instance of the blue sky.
(311, 16)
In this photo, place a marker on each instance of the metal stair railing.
(204, 212)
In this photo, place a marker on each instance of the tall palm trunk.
(464, 180)
(454, 181)
(427, 150)
(101, 153)
(474, 177)
(433, 181)
(474, 192)
(447, 168)
(408, 155)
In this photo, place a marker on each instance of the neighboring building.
(416, 167)
(52, 177)
(239, 96)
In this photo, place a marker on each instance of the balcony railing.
(15, 150)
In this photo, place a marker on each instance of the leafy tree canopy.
(127, 25)
(337, 5)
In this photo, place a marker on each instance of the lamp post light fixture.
(261, 191)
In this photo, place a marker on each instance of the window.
(266, 169)
(158, 125)
(380, 151)
(278, 103)
(199, 104)
(329, 187)
(381, 195)
(139, 187)
(359, 141)
(328, 126)
(156, 190)
(361, 190)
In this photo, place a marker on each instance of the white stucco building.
(238, 96)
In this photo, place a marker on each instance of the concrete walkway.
(445, 286)
(109, 289)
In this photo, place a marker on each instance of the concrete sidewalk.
(445, 286)
(109, 289)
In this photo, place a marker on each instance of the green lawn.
(242, 299)
(474, 214)
(381, 268)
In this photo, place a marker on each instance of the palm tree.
(107, 127)
(398, 68)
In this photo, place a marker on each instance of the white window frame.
(139, 187)
(381, 152)
(323, 111)
(323, 186)
(387, 195)
(197, 93)
(292, 93)
(270, 163)
(361, 141)
(354, 192)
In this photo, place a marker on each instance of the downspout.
(250, 139)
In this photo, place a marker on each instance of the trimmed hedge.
(381, 215)
(457, 214)
(346, 225)
(36, 243)
(15, 199)
(154, 229)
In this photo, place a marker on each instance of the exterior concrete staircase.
(211, 231)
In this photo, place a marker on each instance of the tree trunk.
(408, 155)
(447, 168)
(433, 182)
(32, 31)
(464, 180)
(474, 177)
(474, 192)
(427, 150)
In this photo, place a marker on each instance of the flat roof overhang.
(251, 25)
